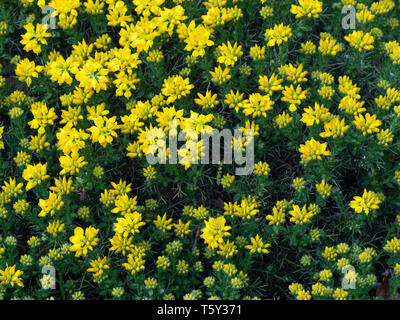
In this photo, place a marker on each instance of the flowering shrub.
(90, 89)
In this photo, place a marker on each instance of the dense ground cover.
(88, 88)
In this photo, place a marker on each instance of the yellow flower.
(257, 105)
(135, 263)
(313, 149)
(35, 37)
(207, 101)
(392, 245)
(334, 128)
(393, 50)
(278, 34)
(176, 87)
(324, 189)
(228, 54)
(10, 276)
(71, 163)
(92, 76)
(325, 275)
(42, 116)
(385, 137)
(257, 245)
(94, 6)
(103, 130)
(300, 216)
(368, 124)
(340, 294)
(50, 205)
(214, 231)
(309, 8)
(303, 295)
(329, 253)
(261, 169)
(55, 227)
(34, 175)
(11, 188)
(181, 229)
(317, 115)
(277, 217)
(162, 223)
(292, 73)
(360, 40)
(271, 84)
(129, 224)
(369, 201)
(294, 96)
(257, 52)
(220, 76)
(83, 240)
(26, 70)
(197, 39)
(328, 45)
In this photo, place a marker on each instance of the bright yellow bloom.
(197, 39)
(300, 216)
(26, 70)
(163, 224)
(92, 76)
(328, 45)
(257, 105)
(97, 267)
(42, 116)
(182, 229)
(257, 52)
(360, 40)
(50, 205)
(11, 188)
(71, 163)
(35, 37)
(228, 54)
(317, 115)
(135, 263)
(103, 130)
(55, 227)
(334, 128)
(368, 124)
(324, 189)
(393, 50)
(292, 73)
(10, 276)
(340, 294)
(308, 47)
(385, 137)
(368, 202)
(392, 245)
(34, 175)
(257, 245)
(271, 84)
(214, 232)
(309, 8)
(220, 76)
(83, 241)
(294, 96)
(313, 149)
(129, 224)
(176, 87)
(278, 34)
(208, 100)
